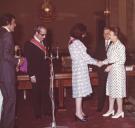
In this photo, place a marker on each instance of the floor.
(66, 119)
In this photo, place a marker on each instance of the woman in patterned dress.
(81, 85)
(116, 81)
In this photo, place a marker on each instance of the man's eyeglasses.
(42, 34)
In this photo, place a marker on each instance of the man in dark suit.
(101, 51)
(38, 70)
(7, 71)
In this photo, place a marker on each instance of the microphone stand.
(51, 58)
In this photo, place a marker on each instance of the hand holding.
(20, 61)
(108, 68)
(17, 68)
(100, 64)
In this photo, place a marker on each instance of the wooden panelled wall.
(68, 12)
(123, 15)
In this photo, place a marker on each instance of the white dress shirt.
(107, 42)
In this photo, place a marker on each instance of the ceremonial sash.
(39, 45)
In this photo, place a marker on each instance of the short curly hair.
(116, 31)
(6, 19)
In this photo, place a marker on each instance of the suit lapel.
(108, 45)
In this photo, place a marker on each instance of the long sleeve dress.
(81, 85)
(116, 81)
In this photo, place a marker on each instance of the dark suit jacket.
(101, 54)
(101, 51)
(7, 59)
(37, 65)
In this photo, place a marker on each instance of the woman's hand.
(20, 61)
(108, 68)
(100, 64)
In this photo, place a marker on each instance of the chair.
(66, 67)
(66, 63)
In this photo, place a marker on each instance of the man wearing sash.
(38, 70)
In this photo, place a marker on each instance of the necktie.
(107, 45)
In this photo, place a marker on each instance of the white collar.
(6, 28)
(117, 42)
(36, 39)
(108, 41)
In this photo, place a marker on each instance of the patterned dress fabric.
(116, 81)
(81, 85)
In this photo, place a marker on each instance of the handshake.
(108, 67)
(100, 63)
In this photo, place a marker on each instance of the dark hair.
(78, 30)
(116, 31)
(107, 28)
(6, 19)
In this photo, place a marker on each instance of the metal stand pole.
(53, 124)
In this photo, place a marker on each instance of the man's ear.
(36, 33)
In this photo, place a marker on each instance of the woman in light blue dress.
(81, 85)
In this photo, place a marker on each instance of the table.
(23, 83)
(61, 81)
